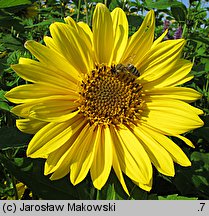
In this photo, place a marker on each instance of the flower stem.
(79, 8)
(87, 16)
(15, 188)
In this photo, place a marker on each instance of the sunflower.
(98, 100)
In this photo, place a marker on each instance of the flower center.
(111, 96)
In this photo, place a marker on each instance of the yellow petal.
(36, 72)
(160, 60)
(120, 29)
(141, 41)
(187, 141)
(102, 34)
(52, 163)
(86, 32)
(52, 60)
(146, 187)
(30, 126)
(72, 46)
(61, 168)
(184, 80)
(50, 43)
(53, 108)
(172, 77)
(20, 187)
(23, 110)
(55, 159)
(174, 150)
(63, 163)
(83, 30)
(118, 172)
(53, 136)
(103, 157)
(158, 155)
(116, 164)
(82, 155)
(158, 40)
(30, 92)
(179, 93)
(169, 115)
(132, 157)
(70, 21)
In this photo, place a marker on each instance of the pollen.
(108, 97)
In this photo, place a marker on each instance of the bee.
(127, 69)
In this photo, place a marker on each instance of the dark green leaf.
(206, 120)
(112, 190)
(8, 21)
(195, 179)
(2, 93)
(153, 197)
(3, 102)
(30, 172)
(4, 106)
(176, 197)
(134, 20)
(44, 23)
(11, 43)
(179, 12)
(114, 4)
(198, 37)
(13, 3)
(11, 137)
(136, 192)
(202, 133)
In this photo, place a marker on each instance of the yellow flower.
(20, 187)
(100, 100)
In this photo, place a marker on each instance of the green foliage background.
(22, 20)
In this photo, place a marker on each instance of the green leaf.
(112, 190)
(44, 23)
(11, 43)
(202, 158)
(176, 197)
(179, 12)
(206, 120)
(11, 137)
(202, 132)
(2, 98)
(3, 102)
(106, 193)
(136, 193)
(115, 3)
(13, 3)
(30, 172)
(134, 20)
(198, 37)
(4, 106)
(162, 4)
(8, 21)
(195, 179)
